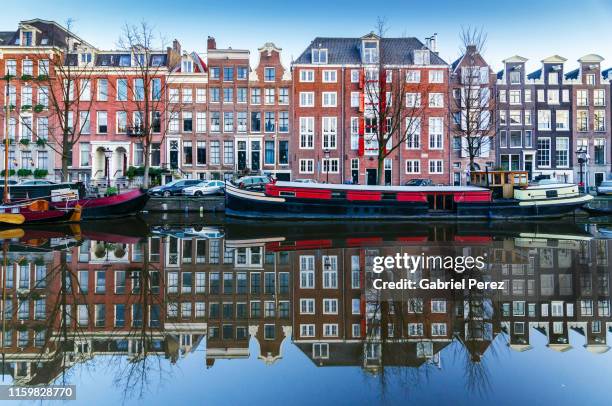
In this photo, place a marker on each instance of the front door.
(255, 155)
(529, 165)
(599, 177)
(174, 154)
(242, 155)
(388, 163)
(372, 179)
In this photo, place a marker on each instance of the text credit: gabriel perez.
(408, 264)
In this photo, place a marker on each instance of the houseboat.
(491, 196)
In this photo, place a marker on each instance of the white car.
(205, 188)
(605, 188)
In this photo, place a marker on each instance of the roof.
(515, 59)
(607, 74)
(6, 37)
(114, 59)
(554, 59)
(393, 51)
(591, 58)
(573, 74)
(500, 74)
(535, 75)
(49, 33)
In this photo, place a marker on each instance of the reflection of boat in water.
(188, 232)
(293, 200)
(312, 234)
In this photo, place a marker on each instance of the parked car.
(209, 187)
(605, 188)
(253, 182)
(305, 181)
(419, 182)
(36, 182)
(173, 188)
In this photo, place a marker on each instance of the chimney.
(433, 43)
(211, 43)
(176, 46)
(470, 50)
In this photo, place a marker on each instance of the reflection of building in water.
(563, 285)
(167, 296)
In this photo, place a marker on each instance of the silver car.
(605, 188)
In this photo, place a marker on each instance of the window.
(515, 117)
(553, 78)
(85, 151)
(590, 79)
(43, 159)
(413, 76)
(355, 99)
(435, 132)
(599, 149)
(255, 96)
(42, 131)
(319, 55)
(121, 122)
(241, 121)
(435, 166)
(528, 139)
(187, 121)
(187, 153)
(228, 73)
(415, 329)
(255, 121)
(330, 165)
(306, 132)
(215, 95)
(11, 67)
(582, 120)
(228, 152)
(355, 74)
(330, 330)
(215, 121)
(200, 122)
(553, 96)
(421, 57)
(413, 99)
(516, 137)
(562, 151)
(283, 121)
(228, 95)
(413, 166)
(600, 120)
(438, 329)
(307, 330)
(543, 152)
(306, 166)
(306, 75)
(173, 95)
(436, 100)
(228, 121)
(515, 77)
(269, 96)
(320, 350)
(269, 152)
(215, 153)
(436, 76)
(200, 95)
(599, 97)
(201, 153)
(26, 96)
(43, 96)
(582, 97)
(330, 306)
(562, 120)
(329, 132)
(544, 120)
(330, 76)
(122, 89)
(329, 99)
(528, 117)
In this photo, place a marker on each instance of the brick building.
(334, 126)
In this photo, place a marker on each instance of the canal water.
(208, 310)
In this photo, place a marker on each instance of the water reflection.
(145, 296)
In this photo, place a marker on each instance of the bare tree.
(147, 87)
(393, 108)
(471, 104)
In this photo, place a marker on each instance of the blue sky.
(534, 29)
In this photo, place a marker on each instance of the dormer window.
(370, 51)
(86, 58)
(553, 78)
(319, 55)
(140, 59)
(421, 56)
(157, 60)
(27, 38)
(124, 60)
(187, 66)
(515, 77)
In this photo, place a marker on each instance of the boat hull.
(246, 204)
(122, 205)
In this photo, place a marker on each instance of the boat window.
(338, 195)
(286, 194)
(389, 196)
(551, 193)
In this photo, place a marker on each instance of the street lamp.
(326, 153)
(107, 156)
(583, 158)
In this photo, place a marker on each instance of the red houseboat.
(291, 200)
